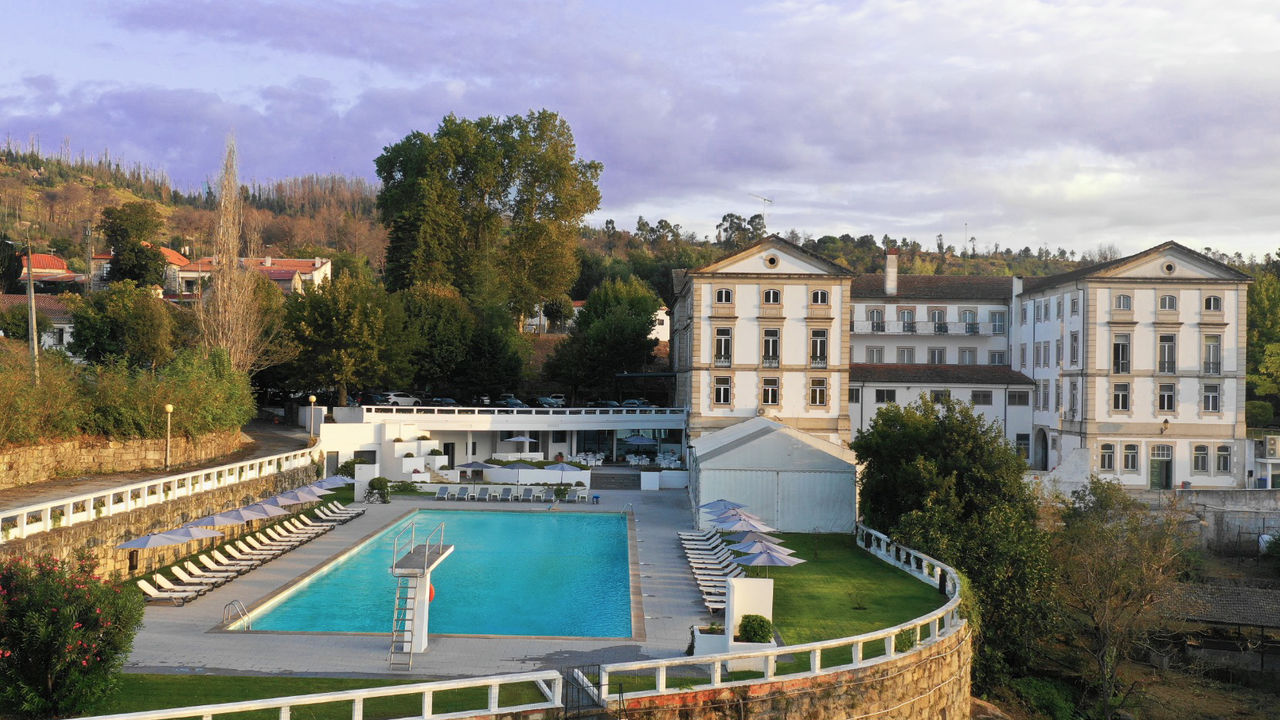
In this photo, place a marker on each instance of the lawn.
(152, 692)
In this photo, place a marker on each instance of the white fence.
(914, 634)
(548, 682)
(41, 517)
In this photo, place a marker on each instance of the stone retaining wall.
(93, 456)
(101, 536)
(931, 683)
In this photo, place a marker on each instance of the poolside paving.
(185, 639)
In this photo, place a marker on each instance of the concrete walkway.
(267, 440)
(183, 640)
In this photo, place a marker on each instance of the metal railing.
(818, 362)
(925, 327)
(723, 360)
(85, 507)
(1212, 367)
(549, 412)
(549, 683)
(917, 633)
(769, 361)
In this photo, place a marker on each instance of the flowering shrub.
(64, 634)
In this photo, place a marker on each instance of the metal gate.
(581, 688)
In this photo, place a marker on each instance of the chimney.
(319, 262)
(891, 272)
(266, 261)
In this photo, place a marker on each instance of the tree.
(439, 328)
(64, 636)
(10, 265)
(13, 323)
(1117, 568)
(610, 335)
(131, 230)
(558, 311)
(124, 322)
(496, 356)
(339, 329)
(1263, 346)
(943, 480)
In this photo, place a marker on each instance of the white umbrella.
(759, 546)
(768, 559)
(191, 532)
(521, 439)
(563, 468)
(268, 510)
(152, 541)
(743, 524)
(719, 506)
(238, 516)
(750, 536)
(731, 515)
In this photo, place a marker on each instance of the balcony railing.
(818, 362)
(769, 361)
(1167, 367)
(723, 361)
(927, 328)
(1212, 367)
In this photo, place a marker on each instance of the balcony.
(1212, 367)
(769, 361)
(926, 328)
(819, 363)
(723, 361)
(1167, 367)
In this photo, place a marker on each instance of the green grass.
(153, 692)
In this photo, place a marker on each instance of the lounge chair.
(224, 560)
(242, 545)
(506, 494)
(344, 509)
(236, 554)
(308, 522)
(715, 558)
(706, 535)
(280, 535)
(459, 494)
(526, 495)
(443, 493)
(483, 496)
(324, 514)
(261, 545)
(265, 542)
(713, 606)
(167, 585)
(188, 579)
(177, 598)
(295, 527)
(196, 571)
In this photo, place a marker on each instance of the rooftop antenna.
(764, 203)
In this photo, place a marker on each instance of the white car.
(399, 398)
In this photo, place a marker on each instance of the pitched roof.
(173, 257)
(44, 261)
(306, 266)
(776, 242)
(937, 374)
(50, 305)
(1035, 283)
(935, 287)
(275, 273)
(728, 439)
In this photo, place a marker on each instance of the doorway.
(447, 449)
(1040, 459)
(1161, 470)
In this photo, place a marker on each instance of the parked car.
(558, 397)
(480, 401)
(510, 402)
(603, 404)
(444, 402)
(636, 403)
(399, 398)
(543, 402)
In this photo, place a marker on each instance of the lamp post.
(311, 419)
(168, 428)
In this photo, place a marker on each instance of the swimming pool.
(511, 573)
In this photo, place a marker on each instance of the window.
(1036, 363)
(908, 320)
(769, 356)
(818, 297)
(1022, 355)
(939, 319)
(1130, 457)
(1161, 452)
(772, 297)
(768, 391)
(970, 320)
(724, 295)
(997, 323)
(939, 395)
(1120, 397)
(1124, 302)
(1019, 398)
(1168, 302)
(1057, 396)
(1200, 458)
(877, 320)
(1167, 355)
(1059, 307)
(1075, 348)
(1212, 398)
(818, 348)
(1212, 354)
(724, 347)
(1075, 304)
(1224, 458)
(1107, 458)
(906, 355)
(1213, 303)
(817, 391)
(1164, 394)
(1072, 402)
(886, 396)
(558, 436)
(1022, 314)
(723, 391)
(968, 356)
(1037, 309)
(937, 356)
(875, 354)
(855, 395)
(980, 397)
(1120, 353)
(1057, 352)
(1023, 442)
(1045, 353)
(997, 357)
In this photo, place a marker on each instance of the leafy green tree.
(64, 636)
(610, 335)
(558, 310)
(439, 328)
(1262, 350)
(496, 356)
(941, 479)
(10, 265)
(339, 328)
(131, 229)
(1118, 565)
(124, 322)
(13, 323)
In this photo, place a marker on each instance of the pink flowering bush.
(64, 635)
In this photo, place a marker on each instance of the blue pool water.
(559, 573)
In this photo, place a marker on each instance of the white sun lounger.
(188, 579)
(167, 585)
(196, 571)
(177, 598)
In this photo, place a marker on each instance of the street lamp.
(168, 428)
(311, 419)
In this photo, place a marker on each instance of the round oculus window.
(1168, 268)
(771, 260)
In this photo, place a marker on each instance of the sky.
(1018, 123)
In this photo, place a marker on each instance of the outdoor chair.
(323, 524)
(196, 571)
(188, 579)
(294, 527)
(264, 542)
(223, 559)
(526, 495)
(483, 495)
(443, 493)
(324, 514)
(279, 534)
(257, 555)
(177, 598)
(506, 494)
(343, 508)
(697, 534)
(332, 510)
(167, 585)
(242, 545)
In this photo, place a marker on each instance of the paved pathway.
(181, 640)
(267, 440)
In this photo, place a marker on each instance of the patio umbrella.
(731, 515)
(269, 510)
(760, 546)
(521, 439)
(239, 516)
(719, 506)
(475, 465)
(750, 536)
(294, 497)
(520, 466)
(333, 481)
(563, 468)
(153, 540)
(193, 533)
(743, 524)
(767, 560)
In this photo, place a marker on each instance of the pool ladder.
(236, 610)
(401, 654)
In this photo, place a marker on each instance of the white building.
(60, 327)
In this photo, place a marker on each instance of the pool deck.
(186, 640)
